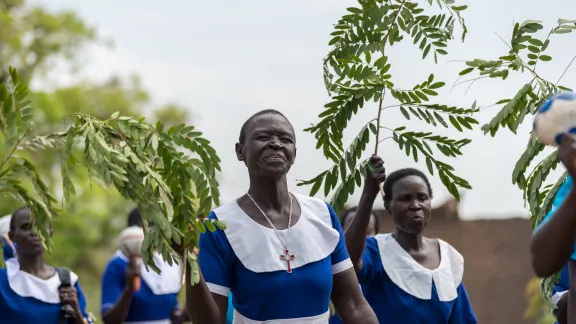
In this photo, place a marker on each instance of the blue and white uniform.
(245, 259)
(402, 291)
(158, 294)
(26, 299)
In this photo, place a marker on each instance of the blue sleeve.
(371, 262)
(82, 301)
(340, 258)
(462, 313)
(216, 259)
(558, 200)
(230, 313)
(113, 282)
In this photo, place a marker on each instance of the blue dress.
(26, 299)
(401, 291)
(248, 260)
(158, 294)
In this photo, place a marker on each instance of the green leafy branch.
(148, 165)
(357, 71)
(527, 51)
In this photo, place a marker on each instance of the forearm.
(362, 314)
(118, 313)
(557, 236)
(200, 305)
(355, 234)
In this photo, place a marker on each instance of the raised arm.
(553, 242)
(117, 290)
(355, 233)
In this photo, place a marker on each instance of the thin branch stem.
(565, 70)
(526, 66)
(378, 122)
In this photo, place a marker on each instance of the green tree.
(526, 54)
(356, 71)
(144, 163)
(32, 38)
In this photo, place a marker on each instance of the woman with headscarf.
(157, 299)
(32, 291)
(282, 255)
(411, 278)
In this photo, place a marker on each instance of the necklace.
(286, 256)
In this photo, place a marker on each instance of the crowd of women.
(284, 257)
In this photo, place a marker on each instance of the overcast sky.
(226, 60)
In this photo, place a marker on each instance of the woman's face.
(270, 146)
(27, 241)
(410, 206)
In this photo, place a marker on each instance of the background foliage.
(356, 73)
(33, 39)
(527, 53)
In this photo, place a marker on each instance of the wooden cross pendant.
(287, 257)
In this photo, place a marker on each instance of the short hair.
(135, 218)
(349, 211)
(397, 175)
(242, 136)
(15, 213)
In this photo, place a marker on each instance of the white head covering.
(5, 224)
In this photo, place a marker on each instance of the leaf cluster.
(527, 51)
(357, 71)
(147, 164)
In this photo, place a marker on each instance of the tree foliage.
(527, 52)
(31, 38)
(145, 163)
(357, 71)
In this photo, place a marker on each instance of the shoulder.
(117, 263)
(317, 209)
(452, 260)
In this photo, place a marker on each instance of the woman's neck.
(32, 264)
(409, 242)
(271, 194)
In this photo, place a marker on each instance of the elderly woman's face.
(270, 146)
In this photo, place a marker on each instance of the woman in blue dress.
(282, 255)
(30, 289)
(156, 301)
(373, 229)
(411, 278)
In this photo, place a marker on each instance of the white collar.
(169, 281)
(416, 280)
(27, 285)
(311, 239)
